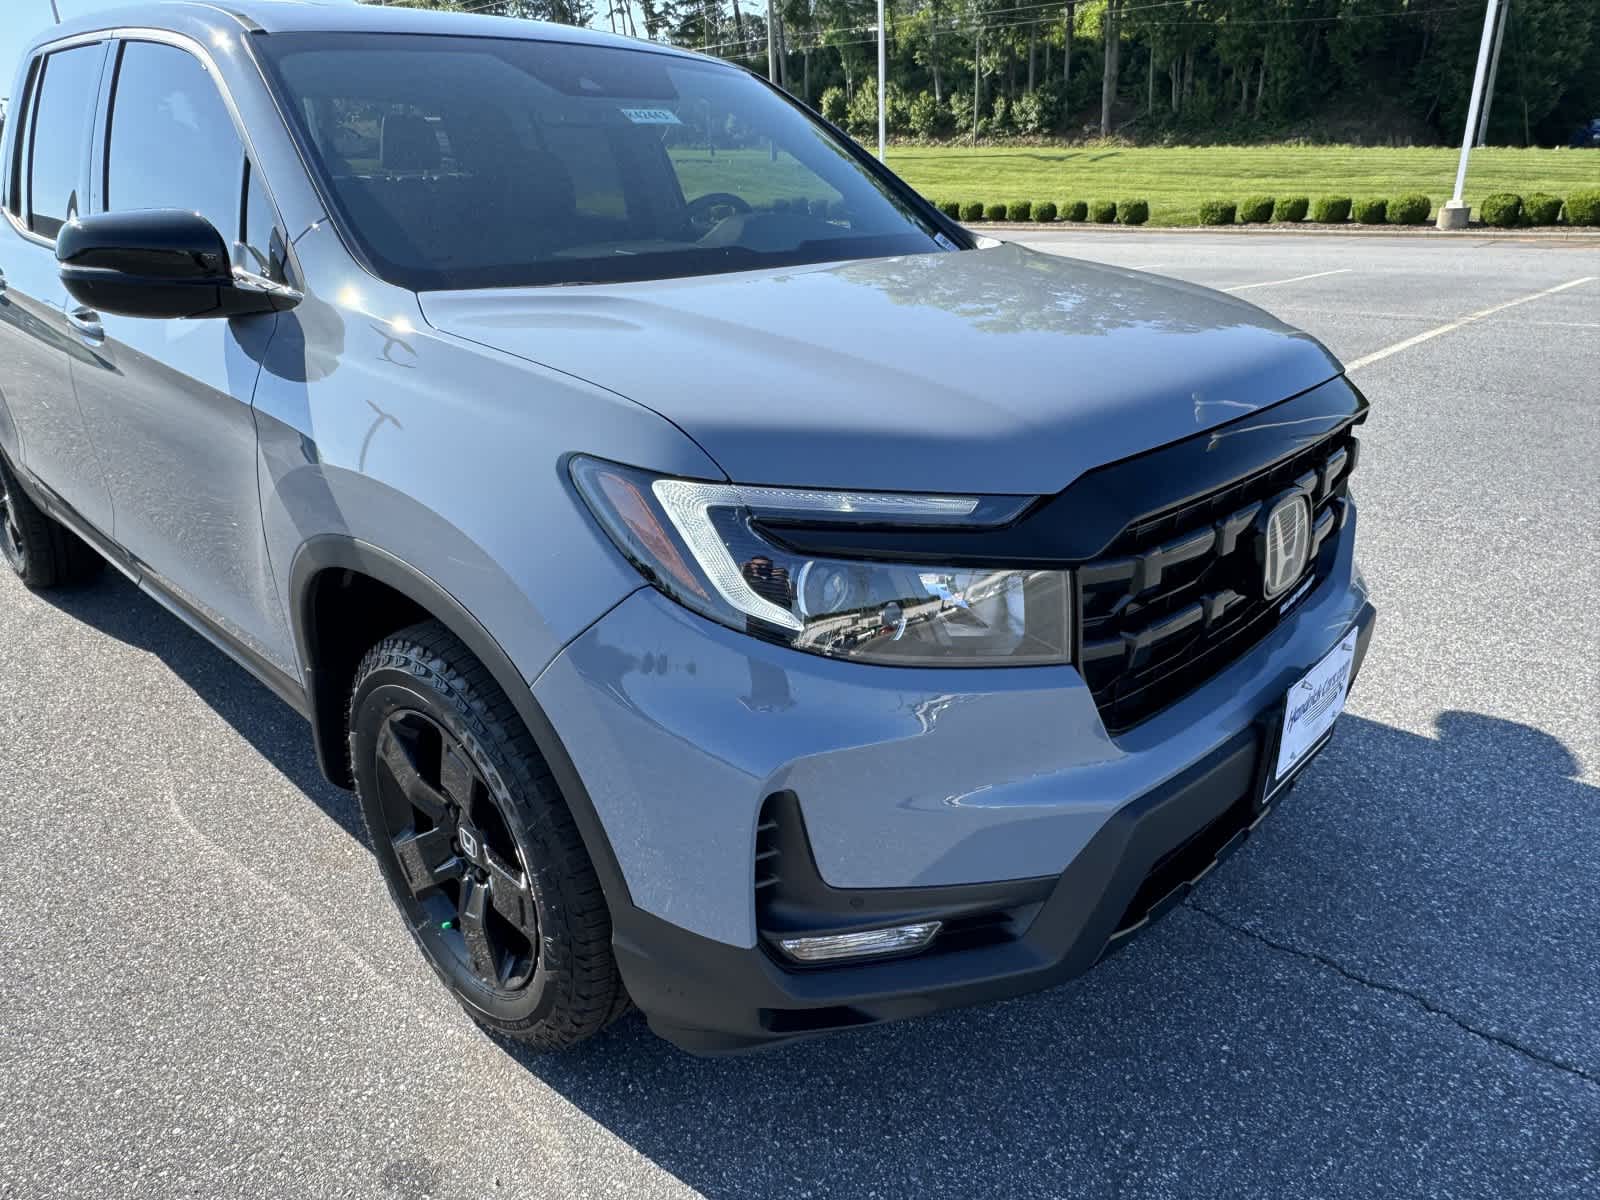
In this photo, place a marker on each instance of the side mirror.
(160, 262)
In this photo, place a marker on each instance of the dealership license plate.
(1313, 705)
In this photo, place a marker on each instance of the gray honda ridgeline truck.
(729, 586)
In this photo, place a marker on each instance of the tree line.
(1389, 71)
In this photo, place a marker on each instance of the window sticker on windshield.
(651, 116)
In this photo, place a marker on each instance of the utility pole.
(977, 81)
(1454, 214)
(883, 97)
(1494, 71)
(772, 50)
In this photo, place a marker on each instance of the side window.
(172, 142)
(59, 139)
(16, 158)
(261, 251)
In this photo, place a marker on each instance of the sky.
(21, 19)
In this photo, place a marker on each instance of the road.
(1393, 991)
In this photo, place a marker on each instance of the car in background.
(1587, 136)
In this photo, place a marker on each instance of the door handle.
(87, 322)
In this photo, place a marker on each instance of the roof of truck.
(298, 16)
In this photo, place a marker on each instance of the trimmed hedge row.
(1507, 210)
(1583, 207)
(1503, 210)
(1122, 212)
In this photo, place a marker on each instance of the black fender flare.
(326, 697)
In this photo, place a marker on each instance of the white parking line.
(1245, 287)
(1378, 355)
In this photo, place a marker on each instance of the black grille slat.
(1176, 596)
(767, 853)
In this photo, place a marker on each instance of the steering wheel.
(699, 210)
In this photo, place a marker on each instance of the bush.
(861, 114)
(1331, 210)
(1075, 210)
(1133, 212)
(1039, 111)
(1291, 208)
(1000, 116)
(951, 209)
(833, 105)
(1217, 212)
(1541, 208)
(1372, 211)
(1044, 211)
(1410, 210)
(1502, 210)
(1103, 212)
(1026, 111)
(994, 212)
(960, 113)
(926, 117)
(1583, 207)
(1256, 210)
(1019, 210)
(972, 210)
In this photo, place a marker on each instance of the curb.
(1305, 229)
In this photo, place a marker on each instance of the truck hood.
(1000, 370)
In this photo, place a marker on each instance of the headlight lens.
(704, 545)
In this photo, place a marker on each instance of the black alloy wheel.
(468, 889)
(477, 845)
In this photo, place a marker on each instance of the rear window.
(480, 162)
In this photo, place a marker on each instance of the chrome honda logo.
(1287, 544)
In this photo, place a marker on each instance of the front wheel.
(476, 844)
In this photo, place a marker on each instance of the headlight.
(711, 547)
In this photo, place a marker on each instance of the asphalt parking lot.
(1393, 990)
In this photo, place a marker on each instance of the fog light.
(895, 940)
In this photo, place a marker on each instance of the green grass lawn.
(1175, 180)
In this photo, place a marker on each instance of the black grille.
(1178, 594)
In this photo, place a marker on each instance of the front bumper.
(708, 997)
(916, 787)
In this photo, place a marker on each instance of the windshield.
(455, 162)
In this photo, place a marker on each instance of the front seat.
(408, 145)
(541, 201)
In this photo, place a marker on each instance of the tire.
(476, 844)
(43, 553)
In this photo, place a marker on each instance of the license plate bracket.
(1301, 723)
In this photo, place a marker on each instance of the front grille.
(1177, 595)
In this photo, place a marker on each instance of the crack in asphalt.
(1395, 990)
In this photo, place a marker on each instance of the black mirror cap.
(159, 262)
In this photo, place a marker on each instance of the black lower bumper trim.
(708, 997)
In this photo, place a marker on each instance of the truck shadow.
(1216, 1056)
(1280, 1034)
